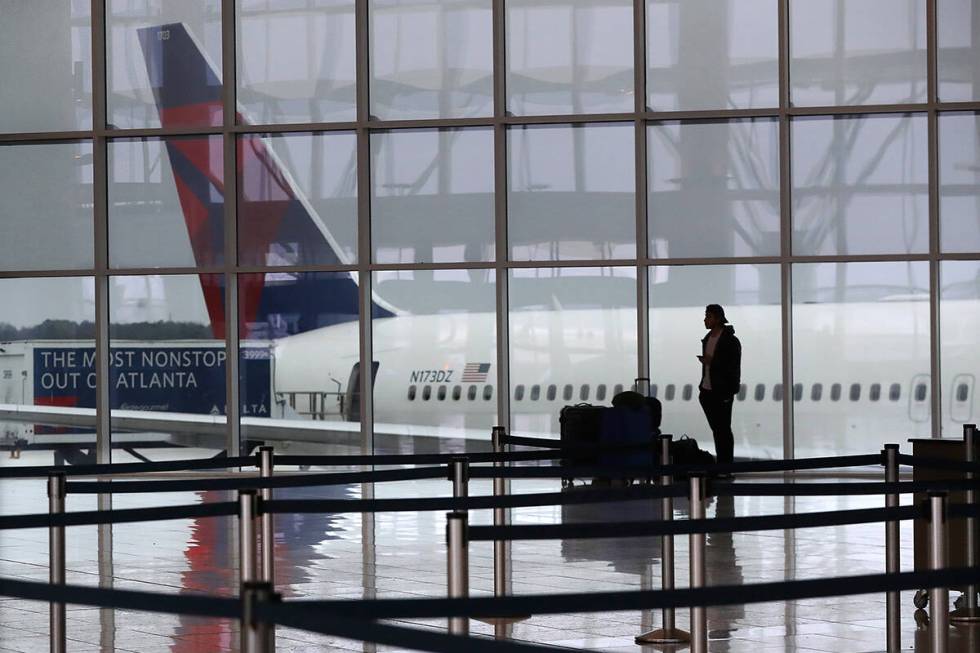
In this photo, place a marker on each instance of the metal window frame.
(100, 135)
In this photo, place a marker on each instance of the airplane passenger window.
(566, 392)
(895, 391)
(426, 392)
(777, 392)
(835, 392)
(962, 392)
(797, 392)
(411, 393)
(519, 392)
(688, 392)
(920, 392)
(583, 394)
(653, 390)
(600, 392)
(874, 392)
(742, 391)
(854, 394)
(471, 393)
(760, 391)
(617, 389)
(816, 392)
(552, 392)
(487, 392)
(457, 392)
(441, 393)
(535, 392)
(669, 392)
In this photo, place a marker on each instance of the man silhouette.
(721, 371)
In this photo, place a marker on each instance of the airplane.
(434, 375)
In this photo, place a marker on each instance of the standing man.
(721, 372)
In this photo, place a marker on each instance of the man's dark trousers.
(718, 409)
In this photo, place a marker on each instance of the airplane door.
(961, 408)
(919, 398)
(352, 399)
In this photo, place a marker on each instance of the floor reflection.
(642, 556)
(211, 555)
(402, 555)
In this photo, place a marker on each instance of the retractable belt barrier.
(472, 503)
(544, 531)
(355, 619)
(255, 482)
(556, 450)
(594, 530)
(717, 595)
(123, 516)
(128, 468)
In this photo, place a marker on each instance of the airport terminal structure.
(294, 293)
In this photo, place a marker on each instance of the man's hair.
(717, 311)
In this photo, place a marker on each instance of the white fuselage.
(868, 361)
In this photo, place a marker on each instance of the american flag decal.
(475, 372)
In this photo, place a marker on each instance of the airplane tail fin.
(271, 209)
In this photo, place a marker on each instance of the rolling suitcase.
(580, 426)
(622, 425)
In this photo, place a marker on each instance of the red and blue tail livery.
(275, 221)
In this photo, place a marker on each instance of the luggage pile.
(633, 419)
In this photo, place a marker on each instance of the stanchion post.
(257, 635)
(699, 620)
(668, 633)
(938, 596)
(499, 516)
(893, 562)
(459, 474)
(247, 509)
(56, 562)
(457, 567)
(268, 570)
(969, 613)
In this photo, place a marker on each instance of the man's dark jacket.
(726, 364)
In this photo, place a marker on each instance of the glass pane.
(868, 52)
(860, 324)
(431, 59)
(570, 192)
(296, 63)
(750, 295)
(45, 65)
(297, 199)
(432, 197)
(713, 188)
(46, 206)
(166, 202)
(712, 54)
(860, 185)
(959, 181)
(958, 37)
(571, 56)
(300, 333)
(959, 342)
(164, 63)
(441, 342)
(167, 343)
(568, 325)
(47, 327)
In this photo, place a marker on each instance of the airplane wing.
(312, 431)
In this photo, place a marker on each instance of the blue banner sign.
(165, 379)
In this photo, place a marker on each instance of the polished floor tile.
(404, 555)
